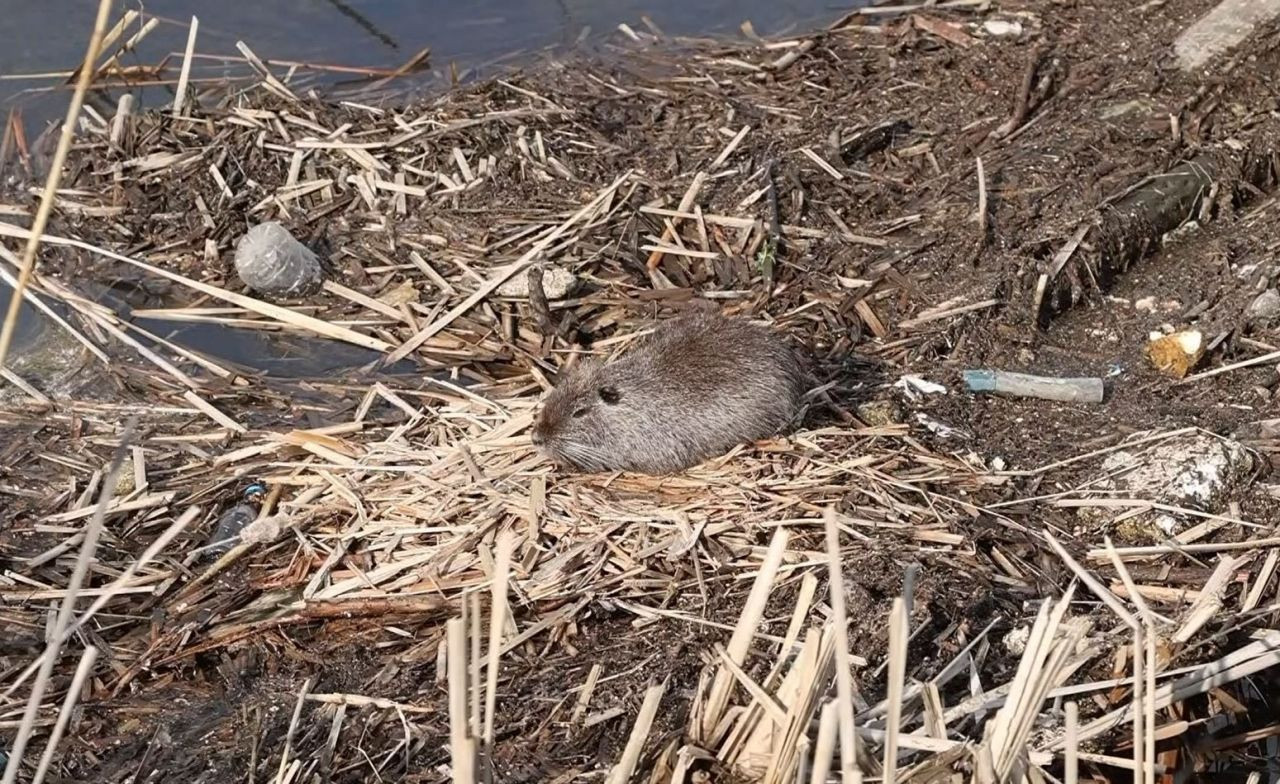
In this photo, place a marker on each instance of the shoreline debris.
(1177, 353)
(344, 636)
(270, 261)
(1009, 384)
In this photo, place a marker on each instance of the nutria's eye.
(610, 395)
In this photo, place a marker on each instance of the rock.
(1220, 30)
(1264, 309)
(270, 261)
(1196, 472)
(1015, 642)
(557, 283)
(879, 412)
(999, 28)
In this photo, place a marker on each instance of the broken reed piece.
(1131, 225)
(1022, 107)
(1007, 384)
(538, 302)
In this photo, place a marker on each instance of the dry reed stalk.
(740, 642)
(898, 632)
(621, 773)
(1071, 773)
(180, 95)
(50, 194)
(127, 46)
(825, 748)
(497, 624)
(57, 637)
(83, 670)
(471, 615)
(844, 674)
(461, 745)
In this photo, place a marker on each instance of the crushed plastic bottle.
(270, 261)
(233, 521)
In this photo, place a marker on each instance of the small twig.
(538, 302)
(1023, 106)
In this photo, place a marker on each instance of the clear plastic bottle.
(233, 521)
(269, 260)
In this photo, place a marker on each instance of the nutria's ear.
(610, 395)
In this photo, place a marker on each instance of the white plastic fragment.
(915, 387)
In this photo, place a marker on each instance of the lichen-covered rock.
(557, 283)
(1195, 472)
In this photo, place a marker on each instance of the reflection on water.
(275, 354)
(279, 354)
(50, 35)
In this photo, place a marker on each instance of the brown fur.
(698, 386)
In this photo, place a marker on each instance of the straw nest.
(424, 598)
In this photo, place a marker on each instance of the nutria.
(699, 385)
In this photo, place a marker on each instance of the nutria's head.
(580, 418)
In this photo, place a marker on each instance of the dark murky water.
(50, 36)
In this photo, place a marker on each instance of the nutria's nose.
(536, 437)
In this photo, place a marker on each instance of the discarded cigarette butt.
(1066, 390)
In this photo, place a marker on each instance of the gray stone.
(557, 283)
(1264, 309)
(1222, 29)
(1193, 472)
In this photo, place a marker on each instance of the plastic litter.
(1066, 390)
(270, 261)
(234, 520)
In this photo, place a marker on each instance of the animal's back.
(700, 385)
